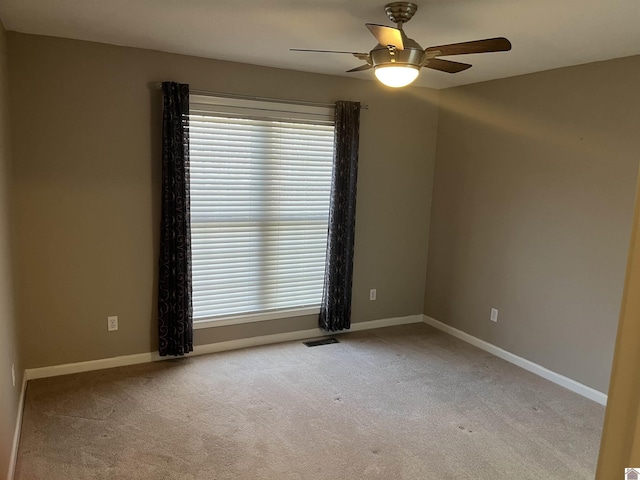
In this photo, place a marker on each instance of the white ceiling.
(545, 34)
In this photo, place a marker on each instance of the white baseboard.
(384, 322)
(532, 367)
(16, 434)
(68, 368)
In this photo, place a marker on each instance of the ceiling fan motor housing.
(412, 55)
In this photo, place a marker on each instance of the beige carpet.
(403, 402)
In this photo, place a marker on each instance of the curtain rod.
(263, 99)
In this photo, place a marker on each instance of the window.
(260, 187)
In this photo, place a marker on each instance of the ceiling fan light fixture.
(396, 76)
(397, 59)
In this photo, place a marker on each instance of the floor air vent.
(322, 341)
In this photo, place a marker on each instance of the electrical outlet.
(372, 294)
(13, 374)
(112, 323)
(494, 315)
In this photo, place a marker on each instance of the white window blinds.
(260, 186)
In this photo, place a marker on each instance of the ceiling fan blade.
(325, 51)
(386, 35)
(487, 45)
(446, 65)
(360, 68)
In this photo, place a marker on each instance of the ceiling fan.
(397, 59)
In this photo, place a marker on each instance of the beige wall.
(9, 394)
(532, 207)
(87, 176)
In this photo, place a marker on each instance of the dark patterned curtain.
(335, 311)
(175, 311)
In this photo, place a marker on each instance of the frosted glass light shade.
(396, 75)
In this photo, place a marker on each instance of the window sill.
(257, 317)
